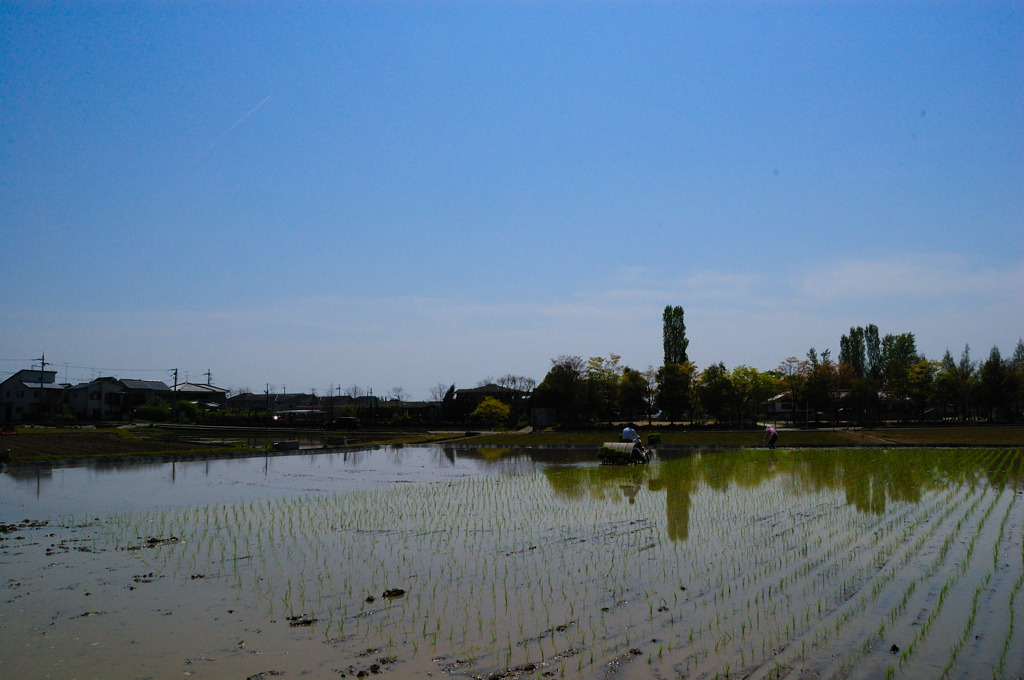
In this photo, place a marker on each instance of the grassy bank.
(32, 445)
(39, 445)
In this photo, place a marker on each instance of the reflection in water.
(515, 563)
(114, 486)
(870, 478)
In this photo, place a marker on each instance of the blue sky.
(401, 194)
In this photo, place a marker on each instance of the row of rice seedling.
(805, 587)
(978, 575)
(912, 591)
(748, 564)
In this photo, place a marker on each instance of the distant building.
(466, 400)
(203, 395)
(410, 412)
(110, 398)
(141, 392)
(248, 402)
(30, 395)
(252, 402)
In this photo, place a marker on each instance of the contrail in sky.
(239, 121)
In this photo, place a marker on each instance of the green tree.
(853, 352)
(899, 353)
(751, 389)
(449, 409)
(186, 412)
(491, 412)
(675, 389)
(793, 374)
(861, 351)
(602, 387)
(921, 385)
(157, 411)
(633, 401)
(715, 391)
(819, 386)
(1017, 380)
(992, 394)
(954, 383)
(946, 387)
(674, 335)
(562, 389)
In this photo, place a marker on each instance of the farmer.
(629, 434)
(770, 435)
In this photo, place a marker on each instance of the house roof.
(32, 377)
(420, 404)
(53, 387)
(156, 385)
(198, 387)
(489, 388)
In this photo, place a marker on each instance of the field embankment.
(980, 436)
(46, 444)
(40, 445)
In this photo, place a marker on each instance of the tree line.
(875, 378)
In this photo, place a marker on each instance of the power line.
(115, 370)
(36, 360)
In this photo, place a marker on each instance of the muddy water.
(426, 562)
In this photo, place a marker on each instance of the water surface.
(40, 491)
(496, 563)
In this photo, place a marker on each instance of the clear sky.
(401, 194)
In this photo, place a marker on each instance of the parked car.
(347, 423)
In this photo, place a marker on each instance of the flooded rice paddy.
(430, 562)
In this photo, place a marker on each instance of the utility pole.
(42, 367)
(330, 405)
(267, 392)
(208, 377)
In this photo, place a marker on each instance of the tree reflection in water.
(870, 478)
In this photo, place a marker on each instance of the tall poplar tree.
(674, 335)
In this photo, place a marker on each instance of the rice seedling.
(850, 547)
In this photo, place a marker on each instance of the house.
(367, 407)
(411, 412)
(141, 392)
(109, 398)
(30, 395)
(204, 395)
(251, 402)
(247, 402)
(104, 398)
(336, 406)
